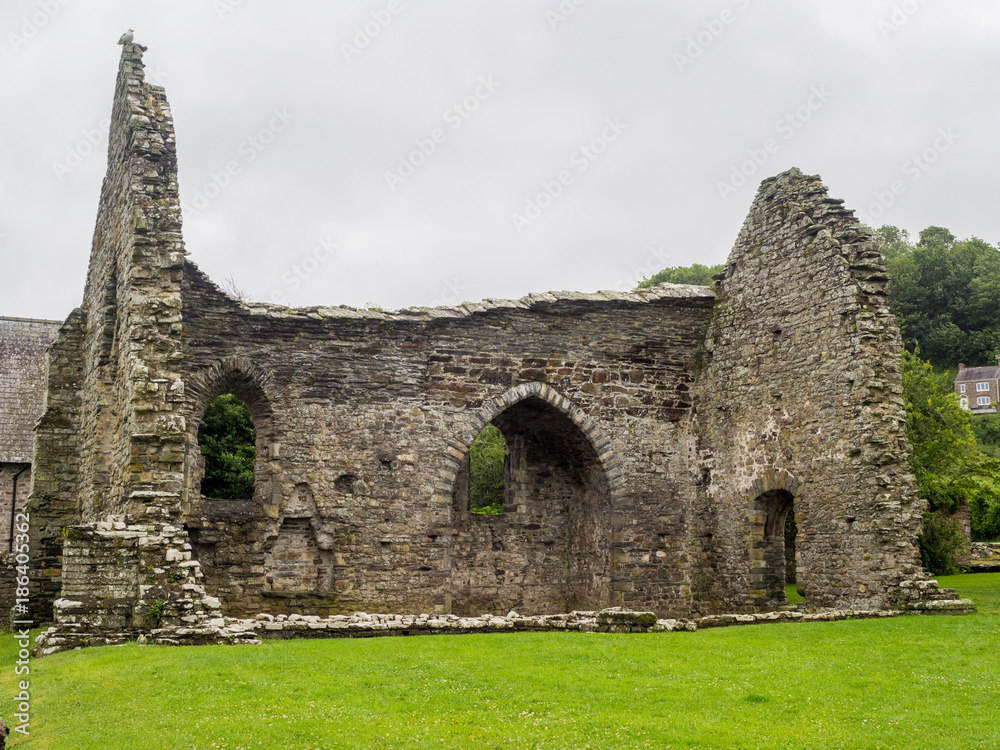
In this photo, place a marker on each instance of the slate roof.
(977, 373)
(22, 383)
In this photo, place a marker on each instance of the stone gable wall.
(801, 392)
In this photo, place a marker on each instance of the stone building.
(22, 390)
(978, 388)
(656, 440)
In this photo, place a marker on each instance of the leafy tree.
(486, 459)
(228, 442)
(949, 467)
(986, 428)
(943, 451)
(893, 241)
(985, 505)
(946, 294)
(696, 274)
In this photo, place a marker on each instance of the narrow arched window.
(486, 472)
(227, 440)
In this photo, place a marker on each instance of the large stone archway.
(550, 550)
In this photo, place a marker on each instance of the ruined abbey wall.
(364, 420)
(800, 401)
(656, 440)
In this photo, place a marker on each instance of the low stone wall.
(121, 580)
(984, 557)
(138, 582)
(363, 625)
(230, 630)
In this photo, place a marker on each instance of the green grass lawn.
(792, 594)
(911, 682)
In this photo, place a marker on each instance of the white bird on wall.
(127, 37)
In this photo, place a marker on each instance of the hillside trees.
(696, 274)
(486, 464)
(945, 293)
(947, 463)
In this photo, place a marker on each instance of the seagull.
(127, 37)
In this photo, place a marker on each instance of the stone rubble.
(984, 557)
(252, 631)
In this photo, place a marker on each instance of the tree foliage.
(228, 442)
(949, 467)
(985, 505)
(946, 294)
(486, 468)
(943, 450)
(696, 274)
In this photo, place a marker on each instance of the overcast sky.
(398, 153)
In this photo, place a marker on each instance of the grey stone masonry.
(800, 410)
(23, 343)
(657, 441)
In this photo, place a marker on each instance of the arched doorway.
(769, 535)
(547, 546)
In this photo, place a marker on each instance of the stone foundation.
(984, 557)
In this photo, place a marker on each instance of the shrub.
(940, 543)
(985, 511)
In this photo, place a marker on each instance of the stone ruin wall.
(106, 442)
(654, 437)
(800, 400)
(364, 420)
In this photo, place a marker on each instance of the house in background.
(978, 388)
(23, 344)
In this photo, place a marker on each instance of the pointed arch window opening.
(489, 473)
(227, 439)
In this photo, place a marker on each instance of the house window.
(961, 388)
(982, 386)
(983, 401)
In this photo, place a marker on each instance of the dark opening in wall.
(768, 563)
(487, 457)
(546, 545)
(227, 440)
